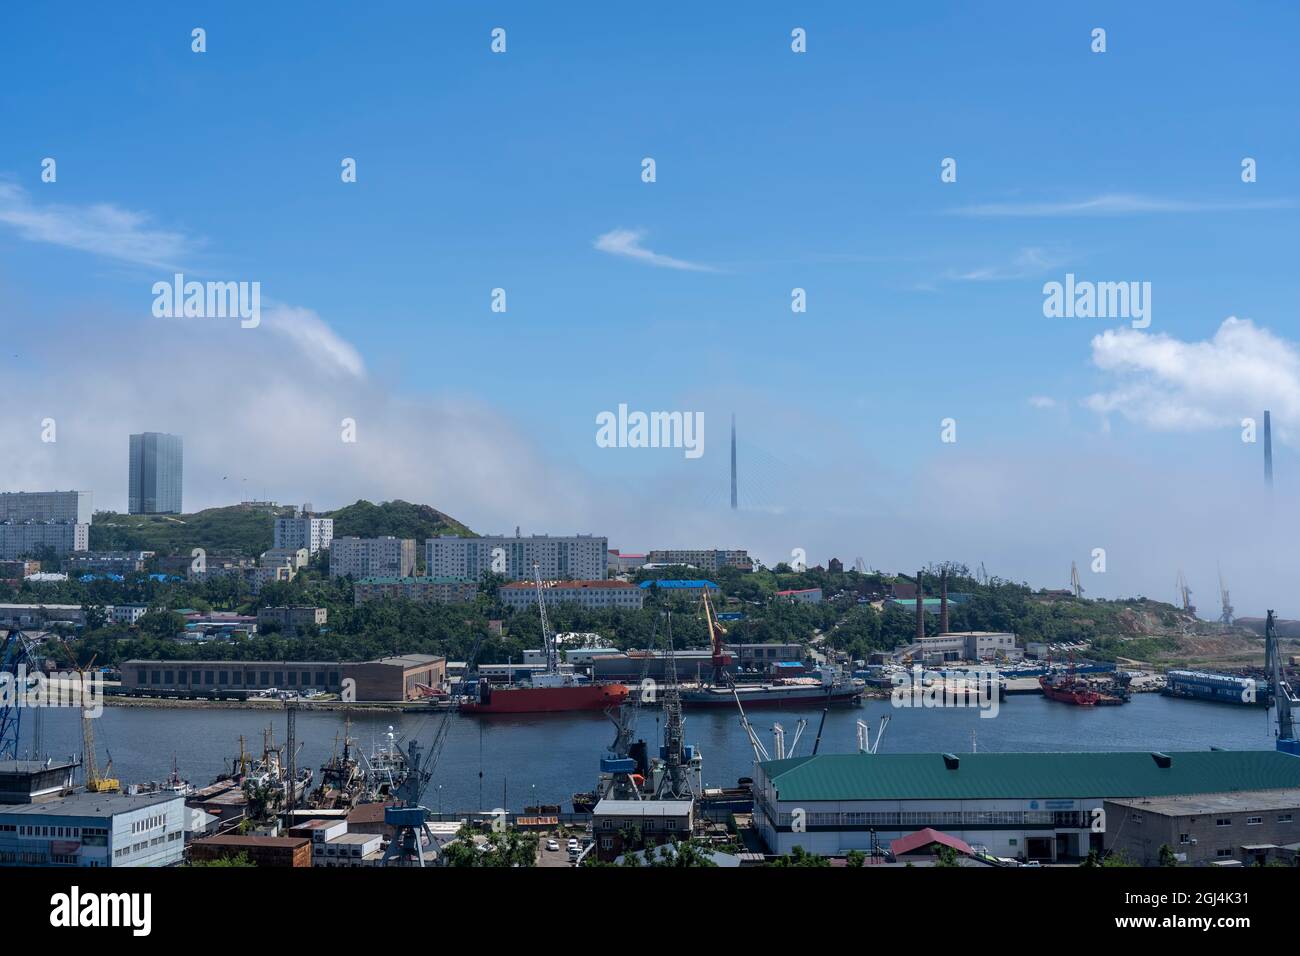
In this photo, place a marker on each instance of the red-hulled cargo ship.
(1068, 689)
(544, 697)
(549, 691)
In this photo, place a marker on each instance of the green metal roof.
(1028, 775)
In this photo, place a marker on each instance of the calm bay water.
(532, 758)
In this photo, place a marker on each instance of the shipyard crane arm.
(1283, 694)
(720, 659)
(17, 658)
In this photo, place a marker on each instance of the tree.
(1167, 857)
(946, 856)
(800, 857)
(238, 859)
(855, 858)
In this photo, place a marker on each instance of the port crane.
(865, 743)
(675, 783)
(1225, 602)
(95, 781)
(410, 820)
(17, 659)
(720, 659)
(1185, 593)
(1283, 695)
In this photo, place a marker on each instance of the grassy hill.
(252, 530)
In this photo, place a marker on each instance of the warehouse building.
(405, 677)
(94, 829)
(387, 679)
(1032, 806)
(1201, 829)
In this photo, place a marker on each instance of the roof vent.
(951, 761)
(1163, 761)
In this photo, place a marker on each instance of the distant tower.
(920, 610)
(1268, 451)
(943, 601)
(733, 461)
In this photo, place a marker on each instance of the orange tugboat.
(550, 690)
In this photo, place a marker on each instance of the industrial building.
(155, 474)
(576, 557)
(656, 821)
(214, 678)
(386, 679)
(1034, 806)
(40, 615)
(1201, 829)
(405, 677)
(94, 829)
(588, 594)
(29, 781)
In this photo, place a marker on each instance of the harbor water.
(516, 760)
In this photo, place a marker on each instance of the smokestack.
(943, 602)
(920, 609)
(733, 461)
(1268, 452)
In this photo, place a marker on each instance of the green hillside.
(251, 530)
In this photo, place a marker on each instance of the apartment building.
(705, 560)
(65, 507)
(576, 557)
(304, 530)
(588, 594)
(436, 590)
(372, 557)
(290, 620)
(33, 521)
(106, 562)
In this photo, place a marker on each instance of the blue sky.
(774, 170)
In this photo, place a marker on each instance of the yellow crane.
(95, 782)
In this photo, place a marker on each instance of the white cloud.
(1042, 401)
(1167, 384)
(627, 243)
(101, 228)
(1027, 262)
(1114, 204)
(317, 341)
